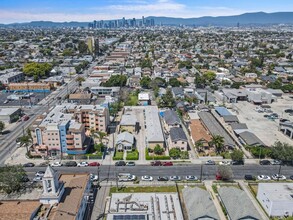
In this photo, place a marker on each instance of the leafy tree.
(175, 153)
(37, 69)
(114, 108)
(275, 85)
(26, 139)
(174, 82)
(146, 63)
(218, 142)
(225, 172)
(187, 64)
(82, 47)
(236, 85)
(11, 178)
(209, 76)
(167, 99)
(282, 151)
(158, 82)
(67, 52)
(116, 80)
(158, 150)
(145, 82)
(237, 155)
(184, 155)
(2, 126)
(228, 54)
(80, 79)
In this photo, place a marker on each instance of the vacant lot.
(262, 127)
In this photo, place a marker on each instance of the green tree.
(114, 108)
(237, 155)
(146, 63)
(80, 79)
(2, 126)
(225, 172)
(11, 178)
(37, 69)
(26, 140)
(228, 54)
(67, 52)
(167, 100)
(82, 47)
(116, 80)
(145, 82)
(218, 142)
(158, 150)
(282, 151)
(174, 82)
(209, 76)
(175, 153)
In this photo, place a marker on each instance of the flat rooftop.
(278, 191)
(7, 111)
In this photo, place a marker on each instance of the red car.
(94, 164)
(169, 163)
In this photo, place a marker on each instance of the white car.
(94, 177)
(82, 164)
(263, 177)
(191, 178)
(56, 164)
(175, 178)
(225, 163)
(278, 177)
(147, 178)
(37, 179)
(40, 173)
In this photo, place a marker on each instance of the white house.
(276, 198)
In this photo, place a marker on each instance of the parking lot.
(22, 102)
(264, 128)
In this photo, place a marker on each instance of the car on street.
(94, 177)
(6, 101)
(210, 162)
(37, 179)
(56, 164)
(263, 177)
(163, 178)
(40, 173)
(169, 163)
(130, 163)
(249, 177)
(70, 164)
(291, 177)
(224, 163)
(288, 110)
(94, 164)
(24, 179)
(191, 178)
(28, 165)
(175, 178)
(43, 164)
(284, 120)
(277, 162)
(237, 162)
(265, 162)
(147, 178)
(278, 177)
(120, 163)
(156, 163)
(82, 164)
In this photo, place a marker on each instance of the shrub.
(133, 155)
(155, 157)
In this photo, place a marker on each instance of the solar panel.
(129, 217)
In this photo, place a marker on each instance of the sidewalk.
(100, 202)
(208, 185)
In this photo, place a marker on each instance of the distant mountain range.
(257, 18)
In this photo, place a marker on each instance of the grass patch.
(215, 189)
(144, 189)
(118, 155)
(253, 188)
(132, 99)
(133, 155)
(155, 157)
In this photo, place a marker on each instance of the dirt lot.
(265, 129)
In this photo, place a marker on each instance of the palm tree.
(26, 139)
(218, 142)
(199, 145)
(98, 134)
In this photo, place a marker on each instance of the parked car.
(163, 178)
(156, 163)
(284, 120)
(82, 164)
(210, 162)
(56, 164)
(44, 164)
(169, 163)
(265, 162)
(37, 179)
(191, 178)
(175, 178)
(6, 101)
(278, 177)
(249, 177)
(224, 163)
(120, 163)
(263, 177)
(94, 164)
(218, 176)
(40, 173)
(71, 164)
(277, 162)
(237, 162)
(130, 163)
(266, 116)
(28, 165)
(147, 178)
(291, 177)
(288, 110)
(24, 179)
(94, 177)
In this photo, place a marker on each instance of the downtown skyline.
(86, 10)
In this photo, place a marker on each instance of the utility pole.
(201, 172)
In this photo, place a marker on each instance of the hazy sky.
(88, 10)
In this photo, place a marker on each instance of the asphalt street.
(208, 171)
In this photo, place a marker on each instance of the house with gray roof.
(199, 204)
(250, 139)
(178, 92)
(171, 119)
(178, 139)
(237, 204)
(124, 141)
(128, 123)
(230, 119)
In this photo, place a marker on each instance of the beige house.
(178, 139)
(128, 123)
